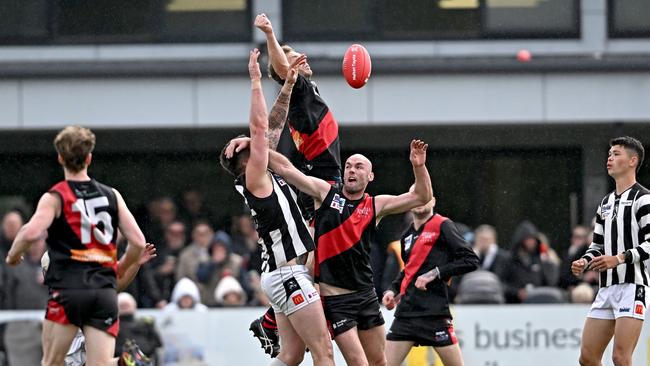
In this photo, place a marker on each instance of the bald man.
(11, 223)
(345, 222)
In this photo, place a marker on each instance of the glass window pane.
(317, 20)
(531, 18)
(23, 20)
(629, 18)
(207, 20)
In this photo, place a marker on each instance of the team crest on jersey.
(407, 242)
(338, 203)
(606, 211)
(297, 139)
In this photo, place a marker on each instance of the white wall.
(533, 335)
(386, 100)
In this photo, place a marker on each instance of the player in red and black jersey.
(345, 223)
(433, 251)
(310, 139)
(81, 217)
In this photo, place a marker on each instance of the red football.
(356, 66)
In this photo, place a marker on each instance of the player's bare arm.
(132, 233)
(422, 192)
(276, 54)
(315, 187)
(48, 208)
(129, 273)
(257, 180)
(280, 109)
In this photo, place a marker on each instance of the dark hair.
(630, 143)
(234, 164)
(274, 75)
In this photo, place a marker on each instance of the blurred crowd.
(205, 261)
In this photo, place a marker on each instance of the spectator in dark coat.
(529, 265)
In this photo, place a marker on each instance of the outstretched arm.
(276, 54)
(256, 181)
(280, 109)
(48, 208)
(420, 195)
(316, 188)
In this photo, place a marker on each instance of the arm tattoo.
(278, 117)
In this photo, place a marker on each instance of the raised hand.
(254, 66)
(418, 153)
(236, 145)
(292, 75)
(263, 23)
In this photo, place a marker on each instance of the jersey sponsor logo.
(297, 299)
(626, 203)
(94, 255)
(428, 237)
(639, 309)
(365, 211)
(338, 203)
(407, 242)
(281, 182)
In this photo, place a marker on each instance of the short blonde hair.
(74, 143)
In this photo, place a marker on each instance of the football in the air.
(356, 66)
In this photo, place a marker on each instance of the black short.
(93, 307)
(358, 309)
(424, 331)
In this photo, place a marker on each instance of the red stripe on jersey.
(421, 249)
(69, 198)
(312, 145)
(348, 233)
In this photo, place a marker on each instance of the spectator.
(24, 282)
(229, 292)
(221, 263)
(141, 330)
(164, 265)
(193, 209)
(244, 235)
(196, 252)
(577, 248)
(582, 294)
(185, 297)
(162, 212)
(12, 221)
(491, 257)
(529, 264)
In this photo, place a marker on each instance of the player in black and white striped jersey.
(284, 237)
(620, 246)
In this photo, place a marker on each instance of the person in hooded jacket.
(186, 297)
(530, 264)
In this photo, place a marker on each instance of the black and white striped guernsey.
(622, 225)
(282, 230)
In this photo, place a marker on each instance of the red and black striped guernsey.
(311, 137)
(344, 231)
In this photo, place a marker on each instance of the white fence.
(489, 335)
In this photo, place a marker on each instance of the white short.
(616, 301)
(289, 288)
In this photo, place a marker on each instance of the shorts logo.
(298, 299)
(624, 310)
(638, 309)
(312, 295)
(441, 336)
(339, 323)
(338, 203)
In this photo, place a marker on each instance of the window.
(629, 18)
(123, 21)
(313, 20)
